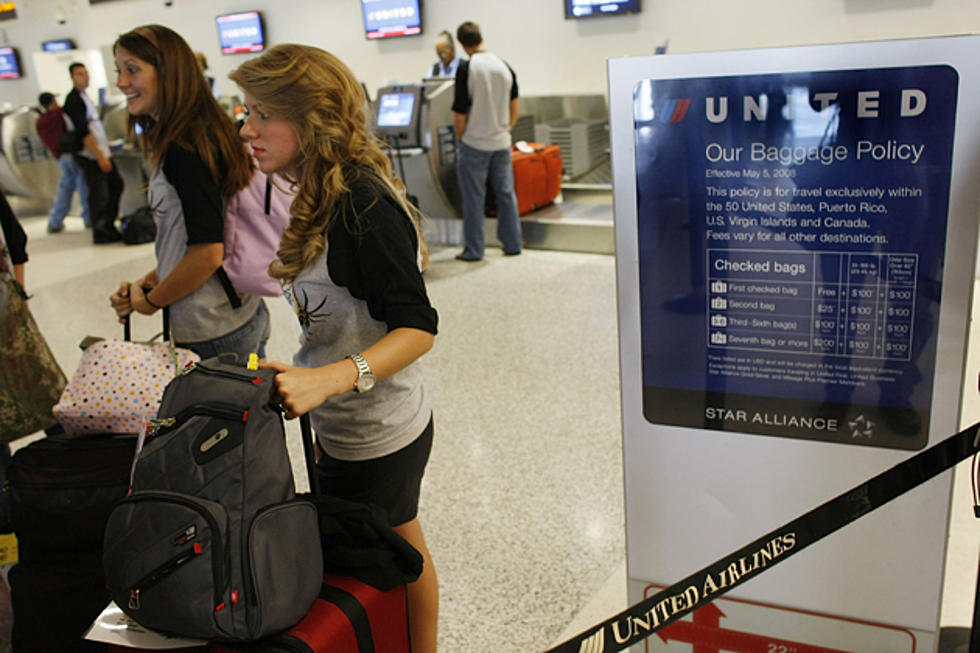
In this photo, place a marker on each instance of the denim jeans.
(72, 177)
(249, 338)
(474, 167)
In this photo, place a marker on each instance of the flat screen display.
(58, 45)
(396, 109)
(241, 32)
(9, 64)
(593, 8)
(388, 18)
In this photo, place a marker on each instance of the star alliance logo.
(861, 427)
(595, 643)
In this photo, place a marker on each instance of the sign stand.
(793, 311)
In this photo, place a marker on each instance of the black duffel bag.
(138, 227)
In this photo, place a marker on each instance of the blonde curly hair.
(319, 97)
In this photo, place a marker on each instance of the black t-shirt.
(375, 256)
(200, 195)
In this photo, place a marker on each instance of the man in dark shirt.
(50, 127)
(104, 183)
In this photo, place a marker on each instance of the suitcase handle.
(127, 328)
(309, 453)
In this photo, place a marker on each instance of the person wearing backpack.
(51, 127)
(197, 162)
(350, 261)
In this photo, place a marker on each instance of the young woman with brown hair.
(350, 261)
(198, 160)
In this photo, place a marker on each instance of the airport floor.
(522, 503)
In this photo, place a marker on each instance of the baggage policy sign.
(791, 235)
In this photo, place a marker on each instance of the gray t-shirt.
(188, 210)
(485, 85)
(364, 285)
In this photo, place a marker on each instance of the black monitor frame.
(57, 45)
(631, 7)
(227, 49)
(378, 35)
(18, 67)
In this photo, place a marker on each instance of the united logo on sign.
(674, 111)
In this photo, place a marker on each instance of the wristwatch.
(365, 377)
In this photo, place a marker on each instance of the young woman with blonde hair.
(198, 161)
(350, 262)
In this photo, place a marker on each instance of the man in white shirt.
(485, 108)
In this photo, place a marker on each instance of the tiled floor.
(522, 502)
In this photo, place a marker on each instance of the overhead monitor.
(397, 118)
(9, 64)
(593, 8)
(241, 32)
(389, 18)
(58, 45)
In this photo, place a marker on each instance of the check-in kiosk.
(27, 168)
(415, 120)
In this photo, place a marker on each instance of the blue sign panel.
(791, 235)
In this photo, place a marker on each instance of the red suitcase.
(537, 176)
(349, 617)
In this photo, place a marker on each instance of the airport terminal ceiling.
(551, 54)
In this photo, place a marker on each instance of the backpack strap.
(233, 298)
(268, 194)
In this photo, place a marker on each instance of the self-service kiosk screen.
(387, 18)
(240, 32)
(591, 8)
(9, 64)
(396, 109)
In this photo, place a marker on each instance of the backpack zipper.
(160, 425)
(216, 554)
(228, 374)
(161, 572)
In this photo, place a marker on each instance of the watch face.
(365, 382)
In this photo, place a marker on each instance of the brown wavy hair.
(319, 97)
(188, 113)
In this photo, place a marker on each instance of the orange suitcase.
(537, 176)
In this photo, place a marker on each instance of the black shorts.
(391, 482)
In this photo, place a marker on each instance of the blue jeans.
(474, 167)
(72, 177)
(249, 338)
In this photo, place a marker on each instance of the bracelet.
(146, 296)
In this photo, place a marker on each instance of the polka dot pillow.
(118, 386)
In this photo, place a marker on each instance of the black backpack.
(138, 227)
(212, 543)
(69, 142)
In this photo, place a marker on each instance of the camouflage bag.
(31, 381)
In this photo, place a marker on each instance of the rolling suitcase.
(537, 176)
(61, 491)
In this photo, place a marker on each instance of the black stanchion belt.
(639, 621)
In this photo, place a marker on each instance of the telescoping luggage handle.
(309, 453)
(128, 332)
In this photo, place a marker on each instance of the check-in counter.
(27, 168)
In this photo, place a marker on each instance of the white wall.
(551, 55)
